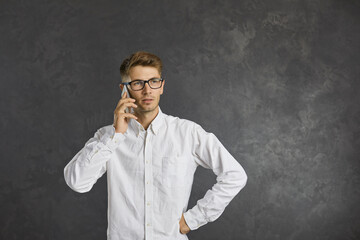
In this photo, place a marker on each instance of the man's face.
(147, 99)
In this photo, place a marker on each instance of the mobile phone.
(125, 90)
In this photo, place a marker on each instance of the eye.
(155, 80)
(136, 83)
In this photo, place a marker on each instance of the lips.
(147, 100)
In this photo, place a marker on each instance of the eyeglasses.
(138, 85)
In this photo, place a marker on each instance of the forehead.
(143, 72)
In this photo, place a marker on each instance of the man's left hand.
(184, 228)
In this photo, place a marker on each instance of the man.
(150, 159)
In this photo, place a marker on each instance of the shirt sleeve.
(89, 164)
(231, 178)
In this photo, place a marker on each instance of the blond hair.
(139, 58)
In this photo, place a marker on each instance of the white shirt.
(150, 175)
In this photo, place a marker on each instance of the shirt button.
(148, 203)
(147, 161)
(148, 224)
(147, 182)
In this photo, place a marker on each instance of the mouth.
(147, 100)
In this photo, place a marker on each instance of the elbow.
(242, 178)
(78, 188)
(236, 179)
(75, 184)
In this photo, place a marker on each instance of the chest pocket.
(174, 171)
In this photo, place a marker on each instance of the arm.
(89, 164)
(231, 178)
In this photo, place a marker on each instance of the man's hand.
(184, 228)
(120, 117)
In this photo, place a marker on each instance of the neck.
(145, 118)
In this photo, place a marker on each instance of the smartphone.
(125, 90)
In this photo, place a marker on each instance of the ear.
(121, 86)
(162, 87)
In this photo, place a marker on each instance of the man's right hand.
(121, 118)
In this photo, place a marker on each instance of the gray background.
(276, 81)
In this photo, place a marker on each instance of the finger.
(133, 105)
(123, 97)
(124, 100)
(122, 107)
(127, 115)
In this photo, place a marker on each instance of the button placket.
(148, 186)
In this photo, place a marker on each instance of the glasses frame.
(145, 81)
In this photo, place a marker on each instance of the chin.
(148, 108)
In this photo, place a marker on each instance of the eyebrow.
(146, 80)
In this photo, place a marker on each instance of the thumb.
(124, 95)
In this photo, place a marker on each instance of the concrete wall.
(276, 81)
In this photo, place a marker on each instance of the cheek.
(135, 96)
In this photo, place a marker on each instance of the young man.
(150, 159)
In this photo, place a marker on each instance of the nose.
(147, 87)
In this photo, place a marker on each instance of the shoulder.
(181, 123)
(173, 120)
(106, 130)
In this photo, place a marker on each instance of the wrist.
(118, 131)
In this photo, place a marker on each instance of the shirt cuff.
(113, 139)
(194, 218)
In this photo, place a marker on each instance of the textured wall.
(276, 81)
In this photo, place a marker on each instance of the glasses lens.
(137, 85)
(155, 83)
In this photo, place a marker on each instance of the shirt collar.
(154, 125)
